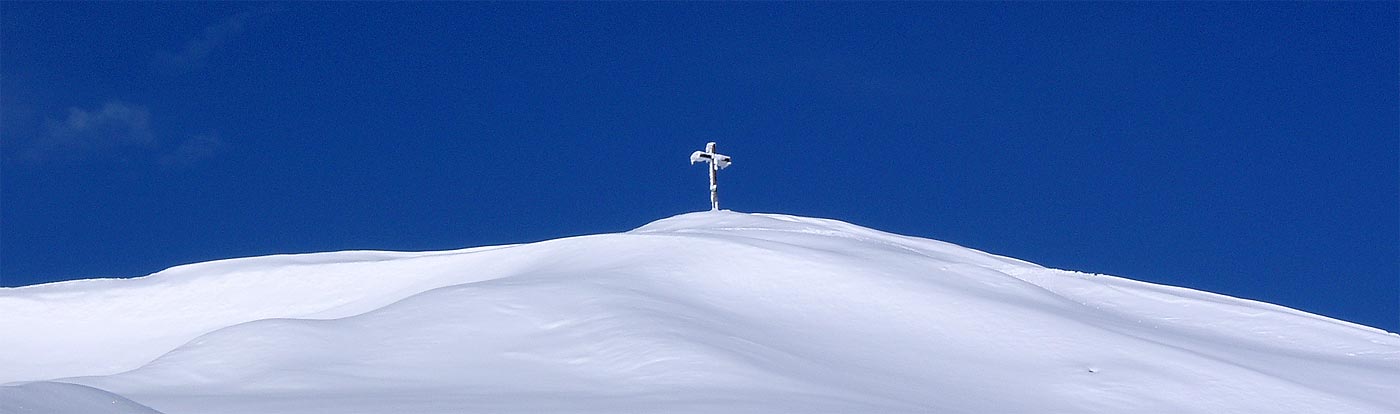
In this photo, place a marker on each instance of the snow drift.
(702, 312)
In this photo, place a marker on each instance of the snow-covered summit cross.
(717, 162)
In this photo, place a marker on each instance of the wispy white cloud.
(193, 150)
(115, 130)
(85, 132)
(195, 53)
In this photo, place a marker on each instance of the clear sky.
(1242, 148)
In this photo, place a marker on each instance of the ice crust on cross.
(716, 162)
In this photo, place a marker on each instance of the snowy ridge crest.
(703, 312)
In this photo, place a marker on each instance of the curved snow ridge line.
(791, 310)
(673, 343)
(256, 263)
(650, 338)
(82, 328)
(281, 261)
(64, 398)
(566, 252)
(1310, 351)
(834, 233)
(644, 351)
(227, 293)
(764, 222)
(1184, 294)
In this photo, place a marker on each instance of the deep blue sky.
(1242, 148)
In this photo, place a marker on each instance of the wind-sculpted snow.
(59, 398)
(703, 312)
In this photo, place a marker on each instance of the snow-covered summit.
(702, 312)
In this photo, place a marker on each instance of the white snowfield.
(717, 312)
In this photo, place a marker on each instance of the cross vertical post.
(717, 162)
(714, 184)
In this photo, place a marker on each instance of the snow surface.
(703, 312)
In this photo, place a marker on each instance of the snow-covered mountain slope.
(703, 312)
